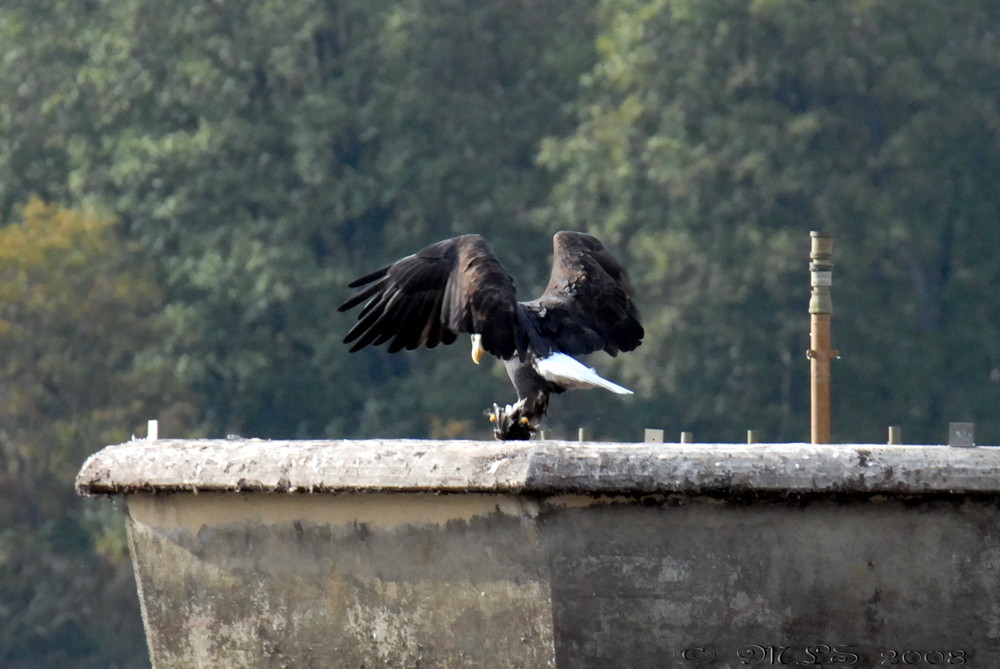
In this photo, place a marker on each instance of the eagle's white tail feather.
(566, 371)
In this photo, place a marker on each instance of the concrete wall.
(555, 554)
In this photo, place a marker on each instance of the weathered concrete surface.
(544, 467)
(379, 580)
(648, 586)
(481, 554)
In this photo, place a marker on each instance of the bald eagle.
(458, 286)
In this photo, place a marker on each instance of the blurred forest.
(186, 188)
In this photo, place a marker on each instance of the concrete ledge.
(542, 467)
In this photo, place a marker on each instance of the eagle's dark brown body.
(458, 286)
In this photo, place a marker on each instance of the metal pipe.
(820, 353)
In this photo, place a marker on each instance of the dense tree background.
(186, 188)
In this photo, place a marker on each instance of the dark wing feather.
(425, 299)
(587, 305)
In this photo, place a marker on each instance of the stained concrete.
(558, 554)
(408, 581)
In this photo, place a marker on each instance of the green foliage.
(75, 318)
(261, 155)
(713, 136)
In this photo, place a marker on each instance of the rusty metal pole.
(820, 353)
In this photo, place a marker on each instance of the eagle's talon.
(510, 422)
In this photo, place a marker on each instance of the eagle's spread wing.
(425, 299)
(587, 305)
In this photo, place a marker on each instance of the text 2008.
(756, 655)
(892, 656)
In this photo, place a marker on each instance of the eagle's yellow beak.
(477, 348)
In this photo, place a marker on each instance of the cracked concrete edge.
(537, 467)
